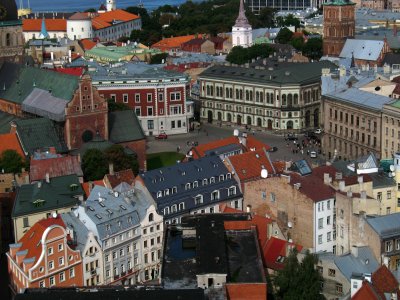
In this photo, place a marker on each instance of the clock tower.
(11, 37)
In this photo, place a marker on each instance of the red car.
(161, 136)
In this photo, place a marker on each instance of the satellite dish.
(54, 215)
(116, 194)
(392, 168)
(264, 173)
(393, 174)
(190, 153)
(290, 240)
(236, 132)
(289, 224)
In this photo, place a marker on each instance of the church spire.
(241, 20)
(43, 32)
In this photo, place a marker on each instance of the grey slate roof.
(39, 133)
(362, 49)
(386, 226)
(119, 210)
(43, 103)
(365, 100)
(289, 73)
(365, 262)
(60, 192)
(80, 230)
(124, 126)
(179, 175)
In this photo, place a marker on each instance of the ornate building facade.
(339, 25)
(11, 37)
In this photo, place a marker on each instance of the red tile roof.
(366, 292)
(31, 241)
(80, 16)
(106, 19)
(251, 143)
(384, 281)
(248, 165)
(59, 166)
(397, 89)
(273, 249)
(9, 141)
(312, 186)
(331, 170)
(87, 44)
(172, 42)
(246, 291)
(85, 186)
(119, 177)
(51, 25)
(76, 71)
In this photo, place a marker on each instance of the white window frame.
(125, 98)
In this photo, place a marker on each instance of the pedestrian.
(302, 151)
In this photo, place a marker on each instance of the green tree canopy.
(114, 106)
(240, 55)
(313, 48)
(284, 36)
(299, 280)
(116, 155)
(94, 164)
(11, 162)
(289, 20)
(158, 58)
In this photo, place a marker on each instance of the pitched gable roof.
(35, 25)
(362, 49)
(384, 281)
(31, 241)
(124, 126)
(86, 185)
(55, 167)
(313, 187)
(119, 177)
(108, 18)
(172, 42)
(9, 141)
(87, 44)
(366, 292)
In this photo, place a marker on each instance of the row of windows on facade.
(173, 110)
(175, 96)
(350, 148)
(329, 237)
(61, 262)
(114, 29)
(191, 185)
(130, 248)
(61, 278)
(250, 110)
(155, 256)
(331, 273)
(346, 133)
(130, 233)
(287, 98)
(392, 245)
(328, 221)
(344, 117)
(174, 124)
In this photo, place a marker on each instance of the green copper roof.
(39, 133)
(262, 40)
(60, 192)
(338, 3)
(61, 85)
(395, 103)
(124, 126)
(5, 120)
(10, 23)
(113, 53)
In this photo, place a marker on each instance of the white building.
(242, 31)
(324, 229)
(79, 26)
(111, 5)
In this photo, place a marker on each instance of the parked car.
(318, 131)
(313, 154)
(161, 136)
(273, 149)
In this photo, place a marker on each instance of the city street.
(210, 132)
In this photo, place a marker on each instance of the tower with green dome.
(339, 25)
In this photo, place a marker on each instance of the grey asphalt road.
(210, 132)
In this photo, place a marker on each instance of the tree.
(158, 58)
(114, 106)
(313, 48)
(238, 55)
(94, 164)
(298, 43)
(284, 36)
(11, 162)
(116, 155)
(299, 280)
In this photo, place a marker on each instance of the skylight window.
(123, 207)
(90, 208)
(98, 216)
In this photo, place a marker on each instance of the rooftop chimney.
(111, 169)
(342, 185)
(47, 177)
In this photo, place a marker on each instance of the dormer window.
(228, 176)
(174, 190)
(181, 206)
(205, 181)
(215, 195)
(212, 180)
(159, 194)
(198, 199)
(173, 208)
(195, 184)
(166, 192)
(232, 191)
(187, 186)
(108, 226)
(166, 211)
(221, 178)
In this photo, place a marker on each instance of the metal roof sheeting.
(362, 49)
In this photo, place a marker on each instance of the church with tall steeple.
(11, 36)
(242, 31)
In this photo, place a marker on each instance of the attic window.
(98, 216)
(159, 194)
(378, 88)
(73, 187)
(39, 202)
(102, 204)
(280, 259)
(108, 226)
(123, 207)
(109, 211)
(90, 208)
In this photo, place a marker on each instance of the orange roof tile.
(273, 249)
(31, 239)
(366, 292)
(172, 42)
(384, 281)
(249, 165)
(119, 177)
(51, 25)
(55, 167)
(312, 186)
(9, 141)
(248, 291)
(106, 19)
(87, 44)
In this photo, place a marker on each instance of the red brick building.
(339, 25)
(44, 257)
(85, 115)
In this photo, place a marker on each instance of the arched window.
(283, 99)
(8, 39)
(151, 217)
